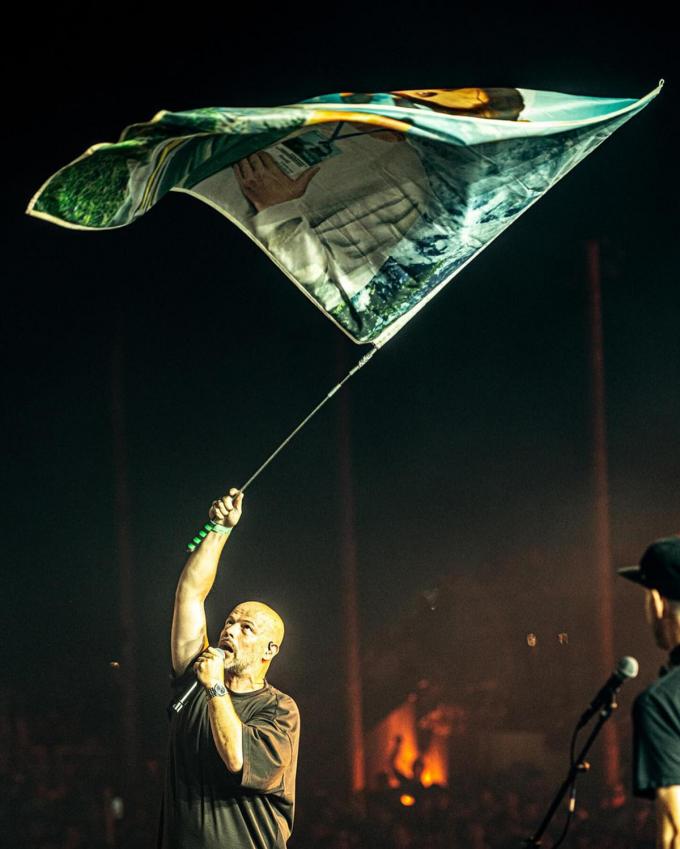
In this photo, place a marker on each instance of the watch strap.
(217, 690)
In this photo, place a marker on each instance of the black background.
(470, 429)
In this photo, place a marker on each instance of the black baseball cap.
(659, 568)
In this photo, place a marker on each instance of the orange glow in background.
(436, 762)
(401, 722)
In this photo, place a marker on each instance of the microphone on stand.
(627, 667)
(181, 701)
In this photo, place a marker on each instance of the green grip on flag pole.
(200, 536)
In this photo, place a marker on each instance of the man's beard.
(237, 665)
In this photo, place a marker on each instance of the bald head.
(265, 617)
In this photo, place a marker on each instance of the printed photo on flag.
(368, 202)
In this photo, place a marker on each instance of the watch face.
(220, 689)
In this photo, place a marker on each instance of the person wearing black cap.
(656, 711)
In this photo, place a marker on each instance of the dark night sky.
(470, 430)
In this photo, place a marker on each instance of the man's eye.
(247, 627)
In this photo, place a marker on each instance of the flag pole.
(205, 530)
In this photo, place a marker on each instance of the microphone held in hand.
(627, 667)
(179, 704)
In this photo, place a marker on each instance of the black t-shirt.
(205, 806)
(656, 736)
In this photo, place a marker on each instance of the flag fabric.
(369, 203)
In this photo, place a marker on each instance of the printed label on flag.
(295, 155)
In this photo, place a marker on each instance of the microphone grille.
(628, 667)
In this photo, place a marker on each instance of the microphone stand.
(578, 767)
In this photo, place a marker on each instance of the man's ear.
(271, 651)
(657, 604)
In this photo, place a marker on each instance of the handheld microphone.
(627, 667)
(181, 701)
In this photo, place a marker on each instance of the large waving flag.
(369, 203)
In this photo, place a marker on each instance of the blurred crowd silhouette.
(58, 793)
(478, 817)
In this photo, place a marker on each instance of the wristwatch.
(217, 690)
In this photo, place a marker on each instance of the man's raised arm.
(189, 632)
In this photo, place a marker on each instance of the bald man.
(230, 777)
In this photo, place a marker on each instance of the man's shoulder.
(284, 702)
(664, 690)
(285, 710)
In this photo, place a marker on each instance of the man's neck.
(245, 683)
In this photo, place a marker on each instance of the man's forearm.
(200, 570)
(188, 622)
(189, 630)
(227, 731)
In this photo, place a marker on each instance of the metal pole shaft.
(198, 539)
(362, 362)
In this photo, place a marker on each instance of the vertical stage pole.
(602, 553)
(350, 615)
(129, 748)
